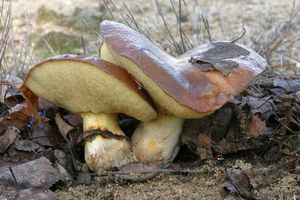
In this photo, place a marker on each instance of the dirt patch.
(206, 180)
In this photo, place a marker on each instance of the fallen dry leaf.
(195, 136)
(9, 82)
(13, 97)
(247, 181)
(31, 193)
(262, 177)
(288, 85)
(32, 103)
(64, 175)
(36, 193)
(263, 105)
(8, 137)
(26, 145)
(16, 119)
(204, 146)
(220, 123)
(45, 134)
(73, 119)
(38, 173)
(241, 183)
(255, 127)
(63, 127)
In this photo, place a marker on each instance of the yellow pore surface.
(80, 87)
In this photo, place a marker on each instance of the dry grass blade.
(266, 45)
(108, 9)
(185, 41)
(132, 19)
(130, 16)
(119, 11)
(6, 24)
(127, 17)
(178, 49)
(179, 26)
(207, 28)
(15, 50)
(90, 28)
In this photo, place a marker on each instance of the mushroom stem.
(158, 141)
(107, 149)
(102, 121)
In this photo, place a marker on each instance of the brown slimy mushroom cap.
(195, 83)
(84, 84)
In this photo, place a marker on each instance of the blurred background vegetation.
(35, 29)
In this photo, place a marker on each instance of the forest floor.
(54, 27)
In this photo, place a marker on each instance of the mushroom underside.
(97, 95)
(80, 87)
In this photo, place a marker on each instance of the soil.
(205, 180)
(36, 19)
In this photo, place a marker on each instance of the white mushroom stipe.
(157, 141)
(101, 121)
(101, 152)
(105, 153)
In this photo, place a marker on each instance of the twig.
(266, 101)
(189, 171)
(14, 178)
(237, 39)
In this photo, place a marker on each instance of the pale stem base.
(103, 153)
(157, 141)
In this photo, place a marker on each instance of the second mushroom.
(97, 90)
(192, 85)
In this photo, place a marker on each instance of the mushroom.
(97, 90)
(192, 85)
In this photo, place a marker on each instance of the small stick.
(14, 178)
(243, 34)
